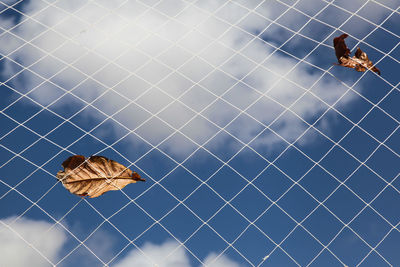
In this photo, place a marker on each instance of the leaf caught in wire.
(359, 62)
(94, 176)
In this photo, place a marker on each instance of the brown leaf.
(359, 62)
(95, 176)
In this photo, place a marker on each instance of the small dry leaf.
(359, 62)
(94, 176)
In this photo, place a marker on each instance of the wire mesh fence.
(256, 148)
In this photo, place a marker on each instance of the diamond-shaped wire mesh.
(256, 148)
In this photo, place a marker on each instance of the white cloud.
(187, 51)
(169, 254)
(156, 255)
(15, 250)
(31, 243)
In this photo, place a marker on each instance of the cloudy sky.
(256, 148)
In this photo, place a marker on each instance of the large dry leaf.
(359, 62)
(94, 176)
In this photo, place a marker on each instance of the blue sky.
(256, 149)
